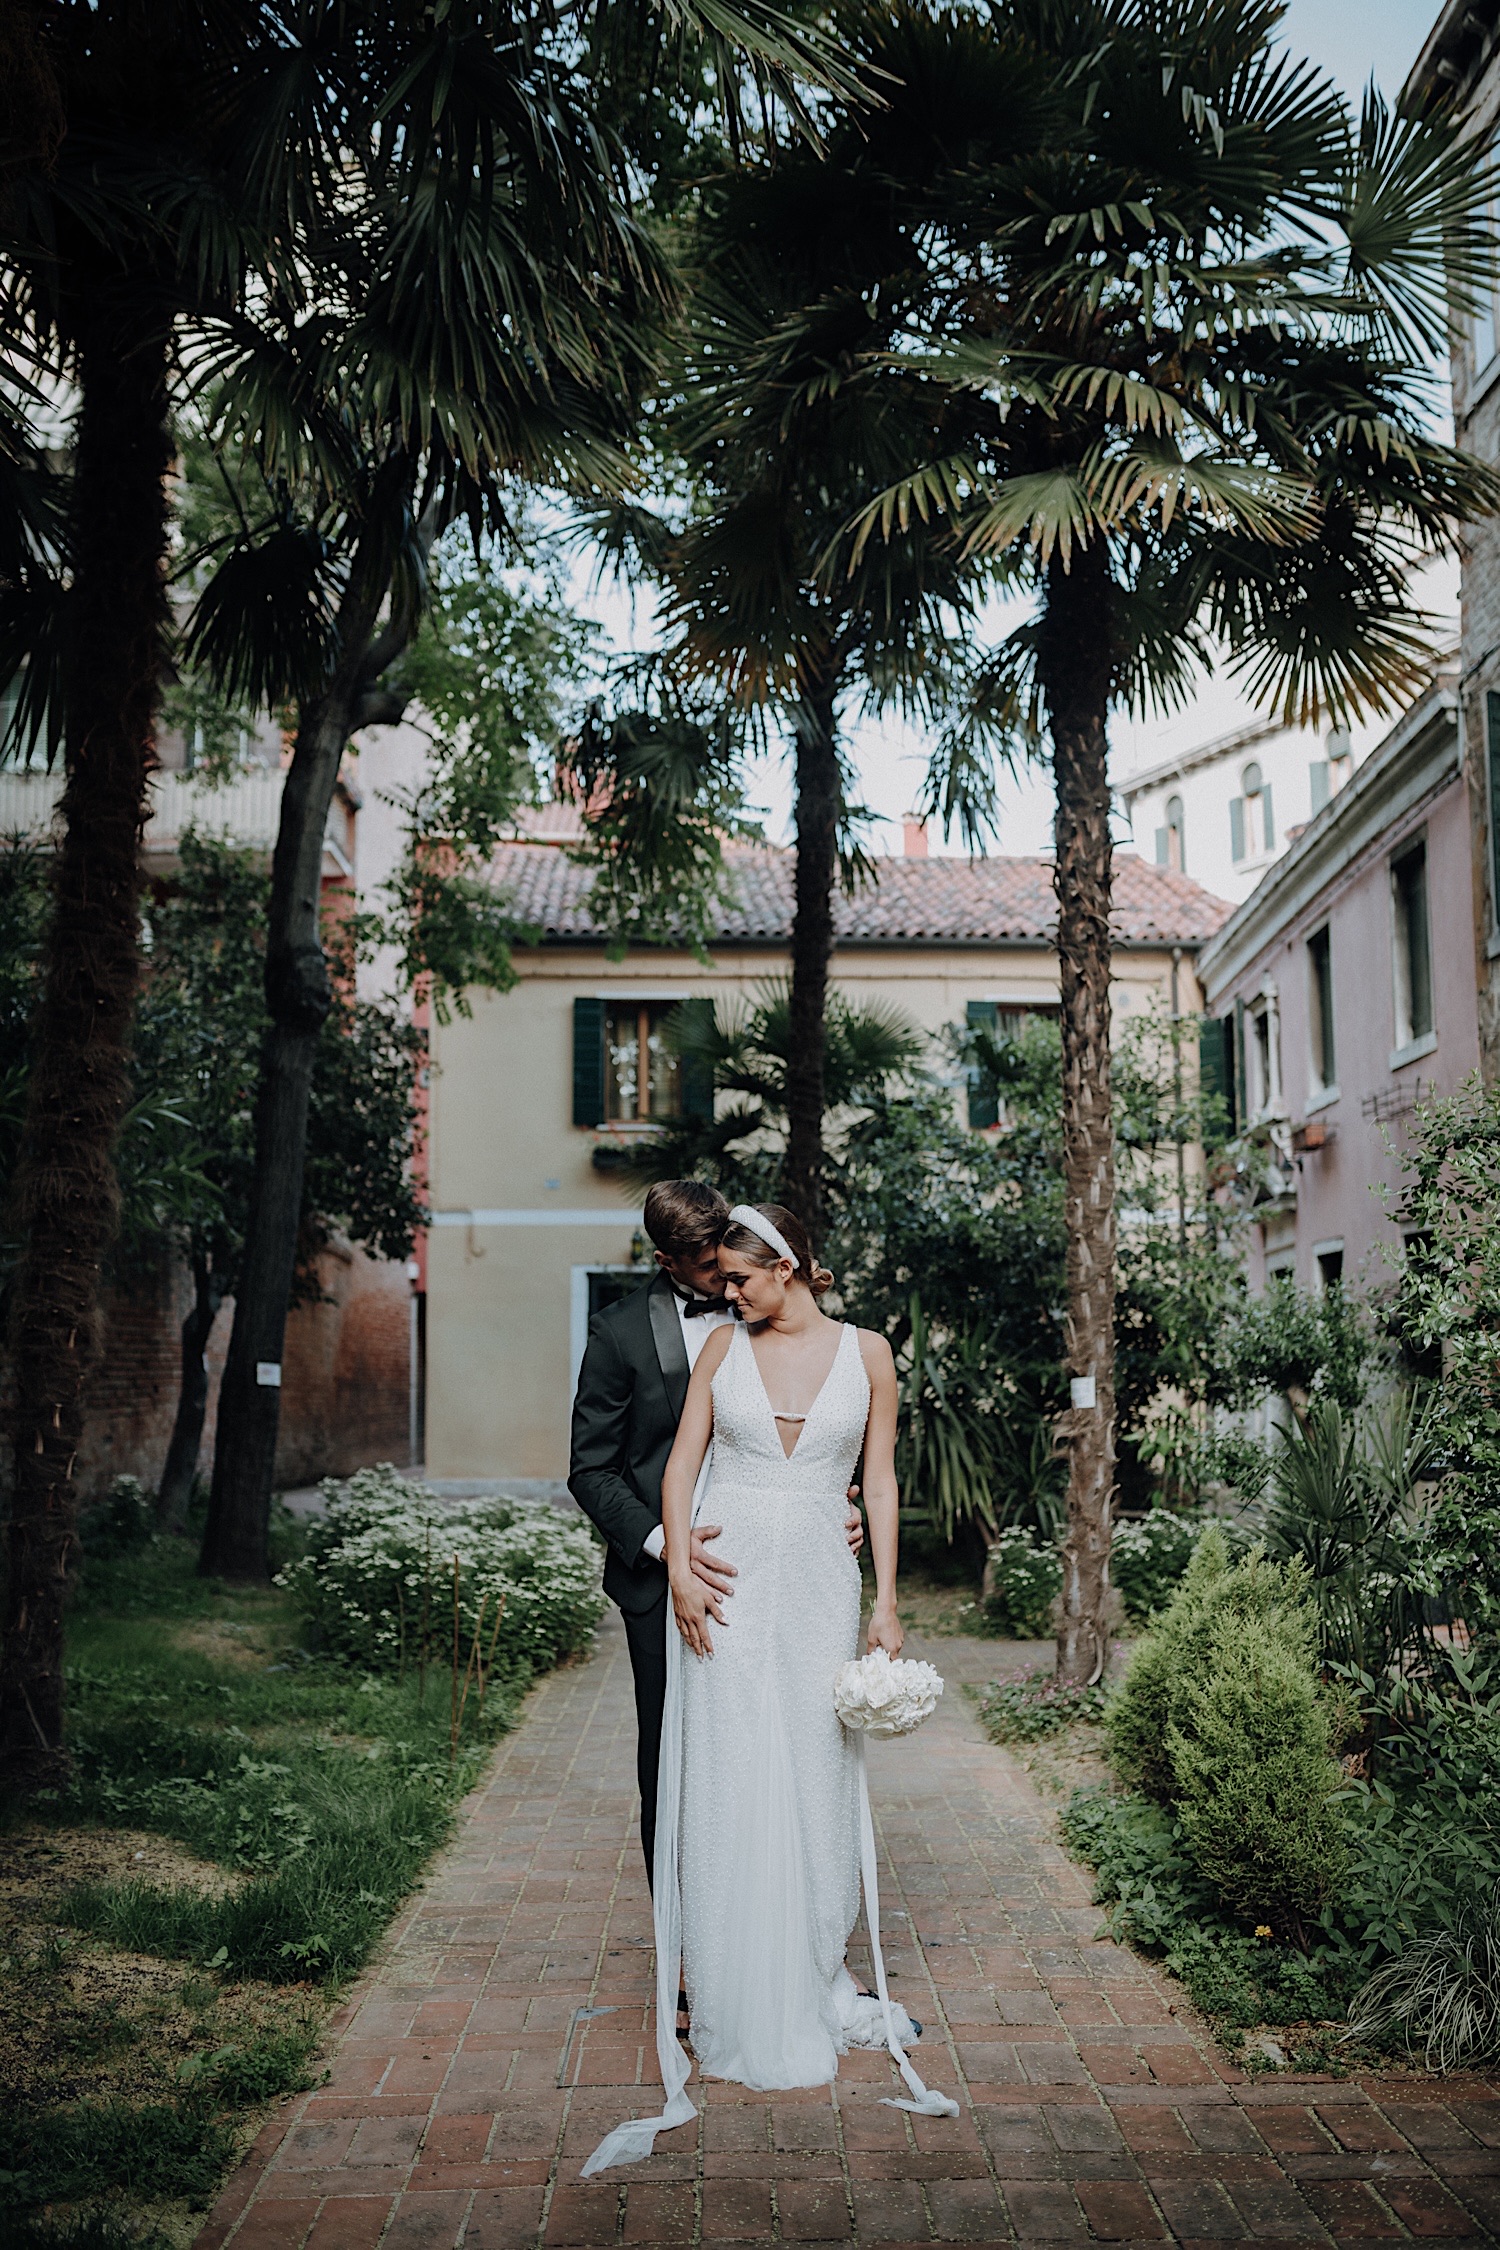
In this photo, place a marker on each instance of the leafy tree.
(1197, 300)
(497, 672)
(197, 1041)
(186, 1149)
(1448, 1310)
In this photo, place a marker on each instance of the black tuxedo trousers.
(631, 1389)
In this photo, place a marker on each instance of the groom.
(631, 1389)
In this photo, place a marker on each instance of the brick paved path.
(508, 2027)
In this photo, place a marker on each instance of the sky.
(1353, 42)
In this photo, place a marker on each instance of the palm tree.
(785, 422)
(120, 229)
(1201, 298)
(212, 158)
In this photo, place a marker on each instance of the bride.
(763, 1827)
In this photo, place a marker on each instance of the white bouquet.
(875, 1696)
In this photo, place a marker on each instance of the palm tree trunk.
(1074, 663)
(819, 803)
(298, 997)
(181, 1466)
(67, 1192)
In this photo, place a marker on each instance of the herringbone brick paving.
(508, 2025)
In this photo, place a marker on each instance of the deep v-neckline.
(812, 1409)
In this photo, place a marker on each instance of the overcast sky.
(1352, 42)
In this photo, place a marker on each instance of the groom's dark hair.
(684, 1216)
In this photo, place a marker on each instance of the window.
(1252, 825)
(1318, 786)
(998, 1022)
(625, 1070)
(1169, 846)
(642, 1076)
(1329, 1259)
(1320, 1010)
(1492, 794)
(1413, 947)
(1263, 1093)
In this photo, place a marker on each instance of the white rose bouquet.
(875, 1696)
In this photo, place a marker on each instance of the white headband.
(746, 1215)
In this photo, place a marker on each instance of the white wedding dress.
(769, 1827)
(763, 1825)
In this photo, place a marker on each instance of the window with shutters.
(1252, 820)
(998, 1022)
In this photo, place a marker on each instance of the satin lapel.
(671, 1351)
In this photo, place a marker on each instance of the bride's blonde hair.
(750, 1247)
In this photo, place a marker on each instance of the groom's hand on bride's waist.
(854, 1522)
(712, 1570)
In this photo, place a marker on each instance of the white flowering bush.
(377, 1580)
(1147, 1557)
(1022, 1579)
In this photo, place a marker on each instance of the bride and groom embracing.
(719, 1403)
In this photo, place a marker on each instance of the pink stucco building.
(1343, 991)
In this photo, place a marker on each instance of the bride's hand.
(692, 1605)
(885, 1632)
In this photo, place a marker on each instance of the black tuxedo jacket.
(631, 1389)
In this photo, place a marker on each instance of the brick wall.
(345, 1399)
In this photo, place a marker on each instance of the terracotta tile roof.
(911, 902)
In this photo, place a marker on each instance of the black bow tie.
(697, 1308)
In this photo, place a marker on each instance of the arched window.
(1252, 826)
(1176, 855)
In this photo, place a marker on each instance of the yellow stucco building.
(529, 1235)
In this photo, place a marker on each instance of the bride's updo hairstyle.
(750, 1247)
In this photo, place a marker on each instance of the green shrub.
(120, 1523)
(1022, 1579)
(1158, 1899)
(1030, 1705)
(377, 1579)
(1147, 1557)
(1170, 1660)
(1254, 1782)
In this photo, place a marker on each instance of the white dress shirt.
(695, 1334)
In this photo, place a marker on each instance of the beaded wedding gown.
(769, 1827)
(763, 1825)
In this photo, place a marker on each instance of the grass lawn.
(243, 1822)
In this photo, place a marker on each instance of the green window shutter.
(697, 1071)
(588, 1062)
(1236, 1027)
(984, 1097)
(1216, 1074)
(1237, 828)
(1270, 830)
(1161, 847)
(1319, 780)
(1492, 729)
